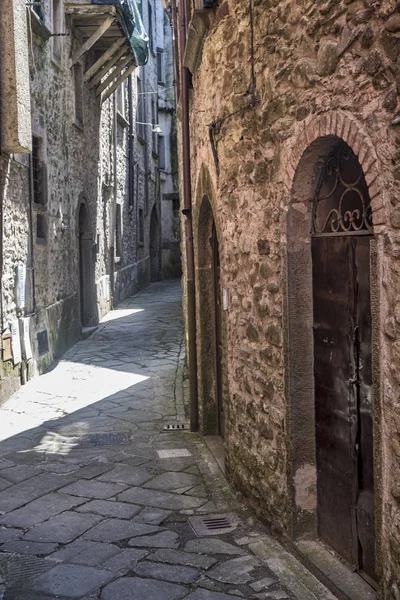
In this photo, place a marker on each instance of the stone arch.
(320, 136)
(208, 375)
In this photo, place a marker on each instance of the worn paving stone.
(160, 499)
(171, 480)
(212, 546)
(236, 571)
(201, 594)
(173, 573)
(41, 509)
(152, 516)
(262, 584)
(19, 473)
(62, 528)
(107, 508)
(183, 558)
(114, 530)
(26, 491)
(4, 483)
(70, 581)
(166, 539)
(92, 470)
(8, 533)
(26, 547)
(127, 474)
(124, 561)
(132, 588)
(5, 464)
(84, 552)
(93, 489)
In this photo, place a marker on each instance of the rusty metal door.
(343, 371)
(218, 330)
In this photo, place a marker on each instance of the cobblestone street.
(98, 501)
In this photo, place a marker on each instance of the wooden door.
(343, 397)
(218, 336)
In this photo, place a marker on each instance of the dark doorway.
(85, 268)
(218, 319)
(342, 231)
(154, 247)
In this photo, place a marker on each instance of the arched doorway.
(330, 235)
(210, 341)
(85, 267)
(154, 247)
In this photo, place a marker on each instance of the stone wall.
(320, 69)
(78, 156)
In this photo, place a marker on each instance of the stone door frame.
(314, 143)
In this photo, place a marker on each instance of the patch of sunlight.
(54, 443)
(120, 313)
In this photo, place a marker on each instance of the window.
(150, 32)
(154, 122)
(57, 21)
(118, 232)
(161, 152)
(140, 7)
(41, 227)
(38, 9)
(121, 99)
(78, 94)
(38, 171)
(141, 112)
(141, 226)
(160, 66)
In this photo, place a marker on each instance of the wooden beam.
(114, 86)
(92, 40)
(103, 59)
(109, 64)
(125, 62)
(88, 10)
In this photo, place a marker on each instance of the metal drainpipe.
(176, 51)
(187, 211)
(130, 145)
(32, 242)
(114, 204)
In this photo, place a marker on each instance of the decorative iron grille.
(341, 203)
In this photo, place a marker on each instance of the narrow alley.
(98, 501)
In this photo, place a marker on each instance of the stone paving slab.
(41, 509)
(107, 508)
(172, 481)
(27, 547)
(70, 581)
(9, 533)
(84, 552)
(114, 530)
(208, 595)
(152, 516)
(183, 558)
(212, 546)
(166, 539)
(173, 573)
(159, 499)
(62, 528)
(127, 474)
(130, 588)
(125, 560)
(93, 489)
(26, 491)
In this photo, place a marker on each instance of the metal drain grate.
(214, 524)
(178, 453)
(175, 427)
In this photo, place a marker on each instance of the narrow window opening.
(38, 171)
(78, 94)
(41, 227)
(141, 226)
(160, 66)
(57, 27)
(118, 233)
(161, 152)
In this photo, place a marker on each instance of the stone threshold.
(332, 572)
(215, 444)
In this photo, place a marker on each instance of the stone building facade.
(293, 135)
(79, 177)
